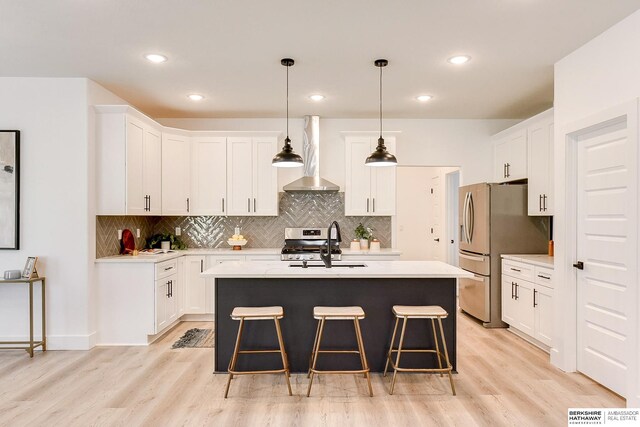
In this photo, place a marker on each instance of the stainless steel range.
(305, 244)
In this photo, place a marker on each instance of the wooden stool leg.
(395, 371)
(315, 342)
(435, 338)
(285, 364)
(315, 355)
(362, 361)
(363, 355)
(446, 356)
(393, 338)
(234, 358)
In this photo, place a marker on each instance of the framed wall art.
(9, 189)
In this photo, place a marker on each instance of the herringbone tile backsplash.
(296, 210)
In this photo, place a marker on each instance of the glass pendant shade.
(381, 157)
(287, 158)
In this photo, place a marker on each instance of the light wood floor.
(502, 380)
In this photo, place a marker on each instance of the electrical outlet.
(119, 234)
(178, 231)
(138, 233)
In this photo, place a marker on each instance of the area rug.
(195, 338)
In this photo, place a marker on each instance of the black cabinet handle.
(544, 277)
(201, 265)
(544, 202)
(248, 204)
(254, 204)
(504, 170)
(374, 204)
(508, 172)
(168, 268)
(367, 204)
(149, 196)
(515, 269)
(223, 204)
(579, 265)
(168, 295)
(513, 292)
(187, 204)
(535, 304)
(540, 203)
(517, 297)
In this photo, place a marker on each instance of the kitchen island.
(376, 286)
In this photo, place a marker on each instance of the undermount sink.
(333, 265)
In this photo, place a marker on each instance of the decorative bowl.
(237, 244)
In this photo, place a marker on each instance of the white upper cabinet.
(128, 152)
(176, 179)
(510, 156)
(252, 182)
(540, 167)
(208, 176)
(369, 191)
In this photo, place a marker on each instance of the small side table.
(30, 345)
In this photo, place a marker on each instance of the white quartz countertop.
(227, 252)
(373, 269)
(541, 260)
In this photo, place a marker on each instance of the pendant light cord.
(287, 101)
(380, 102)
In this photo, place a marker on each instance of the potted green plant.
(364, 234)
(156, 240)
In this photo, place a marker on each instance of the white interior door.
(606, 243)
(436, 219)
(413, 213)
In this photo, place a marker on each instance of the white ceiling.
(230, 52)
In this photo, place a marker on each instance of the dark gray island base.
(298, 296)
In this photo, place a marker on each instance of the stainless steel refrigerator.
(494, 221)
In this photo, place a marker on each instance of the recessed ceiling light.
(424, 98)
(196, 97)
(317, 97)
(458, 60)
(156, 58)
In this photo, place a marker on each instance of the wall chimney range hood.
(311, 181)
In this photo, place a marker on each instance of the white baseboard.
(529, 339)
(197, 317)
(60, 342)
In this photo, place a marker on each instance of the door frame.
(452, 183)
(564, 349)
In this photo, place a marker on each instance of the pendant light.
(287, 158)
(381, 157)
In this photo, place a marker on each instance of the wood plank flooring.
(502, 381)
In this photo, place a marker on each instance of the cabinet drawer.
(544, 276)
(167, 268)
(518, 269)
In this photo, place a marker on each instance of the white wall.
(602, 74)
(54, 225)
(422, 142)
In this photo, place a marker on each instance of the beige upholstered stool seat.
(338, 313)
(419, 311)
(257, 313)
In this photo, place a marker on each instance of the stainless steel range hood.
(311, 180)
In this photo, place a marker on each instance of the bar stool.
(407, 312)
(257, 313)
(322, 314)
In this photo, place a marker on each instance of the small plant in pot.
(364, 234)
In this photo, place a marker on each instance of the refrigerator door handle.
(471, 258)
(467, 225)
(471, 217)
(464, 218)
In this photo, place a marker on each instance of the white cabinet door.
(510, 157)
(265, 177)
(176, 165)
(172, 299)
(383, 184)
(208, 176)
(540, 167)
(509, 307)
(136, 197)
(357, 191)
(195, 286)
(524, 306)
(161, 305)
(181, 288)
(239, 176)
(152, 181)
(543, 314)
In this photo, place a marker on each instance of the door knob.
(579, 265)
(436, 240)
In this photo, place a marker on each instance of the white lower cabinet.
(196, 292)
(527, 296)
(167, 294)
